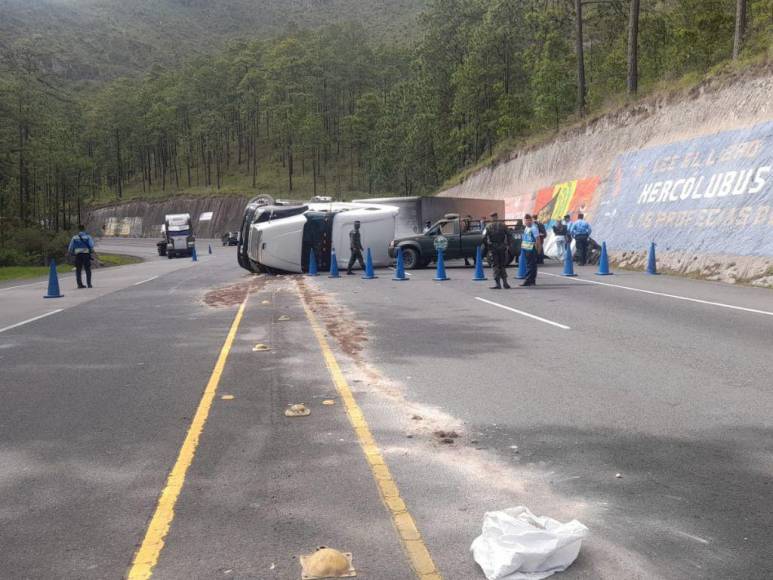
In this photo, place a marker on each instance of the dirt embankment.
(690, 171)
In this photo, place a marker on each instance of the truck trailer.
(416, 212)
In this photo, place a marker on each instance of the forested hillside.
(82, 40)
(341, 111)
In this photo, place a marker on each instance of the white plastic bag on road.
(517, 545)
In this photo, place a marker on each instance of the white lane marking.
(522, 313)
(690, 536)
(24, 285)
(674, 296)
(18, 324)
(143, 281)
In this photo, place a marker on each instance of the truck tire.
(411, 259)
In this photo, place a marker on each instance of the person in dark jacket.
(542, 235)
(355, 246)
(561, 232)
(497, 238)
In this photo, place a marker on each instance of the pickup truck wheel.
(411, 259)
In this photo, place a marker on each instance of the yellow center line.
(146, 557)
(409, 535)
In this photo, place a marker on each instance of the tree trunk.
(120, 166)
(580, 60)
(633, 48)
(740, 27)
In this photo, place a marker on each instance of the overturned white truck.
(279, 238)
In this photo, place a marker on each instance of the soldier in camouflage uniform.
(497, 238)
(355, 245)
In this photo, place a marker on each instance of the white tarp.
(517, 545)
(206, 216)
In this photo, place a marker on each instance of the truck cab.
(178, 236)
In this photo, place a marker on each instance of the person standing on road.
(466, 225)
(581, 230)
(561, 231)
(497, 239)
(82, 246)
(531, 244)
(355, 246)
(542, 235)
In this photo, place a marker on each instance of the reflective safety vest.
(529, 238)
(81, 244)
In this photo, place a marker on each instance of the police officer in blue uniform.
(82, 246)
(581, 230)
(531, 244)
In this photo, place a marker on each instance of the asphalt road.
(546, 394)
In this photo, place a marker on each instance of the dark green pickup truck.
(463, 235)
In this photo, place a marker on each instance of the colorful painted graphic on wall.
(554, 202)
(713, 194)
(570, 197)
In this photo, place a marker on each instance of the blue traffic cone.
(194, 257)
(568, 263)
(53, 282)
(334, 265)
(312, 263)
(521, 274)
(604, 262)
(652, 267)
(400, 269)
(210, 248)
(440, 273)
(479, 275)
(369, 274)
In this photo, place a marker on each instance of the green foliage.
(335, 110)
(33, 247)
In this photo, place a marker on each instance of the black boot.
(497, 286)
(505, 284)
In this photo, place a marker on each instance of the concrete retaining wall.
(144, 218)
(693, 174)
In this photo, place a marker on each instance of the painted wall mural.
(712, 194)
(554, 202)
(709, 194)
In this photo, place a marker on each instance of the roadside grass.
(109, 260)
(27, 272)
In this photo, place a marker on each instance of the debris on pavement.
(417, 417)
(327, 563)
(260, 348)
(328, 402)
(517, 545)
(297, 410)
(619, 475)
(227, 397)
(446, 434)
